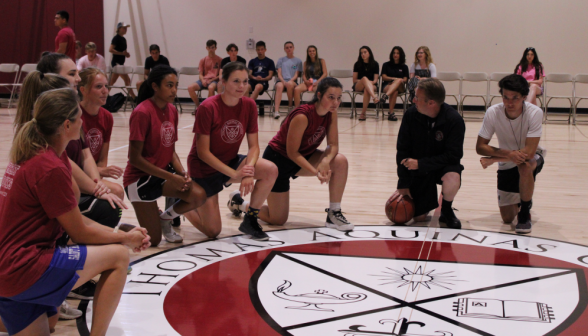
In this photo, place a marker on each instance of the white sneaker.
(66, 312)
(235, 200)
(168, 232)
(336, 220)
(277, 114)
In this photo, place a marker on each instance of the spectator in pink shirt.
(92, 59)
(65, 41)
(533, 71)
(209, 69)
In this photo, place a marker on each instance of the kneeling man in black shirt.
(429, 150)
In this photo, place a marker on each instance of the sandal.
(362, 117)
(392, 117)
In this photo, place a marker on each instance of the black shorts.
(214, 184)
(99, 210)
(147, 189)
(423, 188)
(286, 169)
(253, 83)
(508, 184)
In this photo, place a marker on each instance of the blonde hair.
(52, 109)
(90, 46)
(428, 57)
(88, 75)
(34, 84)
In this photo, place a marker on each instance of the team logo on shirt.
(318, 136)
(94, 139)
(232, 131)
(439, 136)
(167, 133)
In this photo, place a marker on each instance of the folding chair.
(24, 71)
(494, 77)
(125, 70)
(186, 71)
(403, 98)
(452, 77)
(10, 68)
(360, 93)
(474, 77)
(558, 78)
(343, 74)
(579, 79)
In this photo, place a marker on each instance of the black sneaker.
(251, 227)
(235, 200)
(524, 226)
(84, 292)
(392, 117)
(450, 220)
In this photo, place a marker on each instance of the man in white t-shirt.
(518, 127)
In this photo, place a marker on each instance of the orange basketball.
(399, 209)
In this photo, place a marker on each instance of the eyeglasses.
(530, 48)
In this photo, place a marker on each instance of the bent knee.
(197, 196)
(451, 177)
(526, 167)
(341, 161)
(121, 253)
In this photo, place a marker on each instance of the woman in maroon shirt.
(154, 168)
(294, 151)
(221, 124)
(37, 205)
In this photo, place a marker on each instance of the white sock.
(243, 207)
(170, 213)
(334, 206)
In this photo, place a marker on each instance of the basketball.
(399, 209)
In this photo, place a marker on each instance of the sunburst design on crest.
(417, 278)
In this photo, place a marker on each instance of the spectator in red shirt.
(222, 121)
(65, 41)
(38, 204)
(154, 168)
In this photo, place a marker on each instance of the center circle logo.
(167, 133)
(94, 140)
(375, 280)
(232, 131)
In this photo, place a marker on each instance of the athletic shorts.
(375, 87)
(147, 189)
(202, 87)
(253, 83)
(508, 184)
(47, 293)
(215, 183)
(286, 169)
(99, 210)
(423, 188)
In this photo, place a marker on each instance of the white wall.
(463, 35)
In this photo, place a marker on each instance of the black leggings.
(100, 211)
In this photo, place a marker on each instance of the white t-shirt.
(98, 62)
(512, 134)
(432, 69)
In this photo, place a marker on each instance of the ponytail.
(51, 110)
(34, 84)
(156, 75)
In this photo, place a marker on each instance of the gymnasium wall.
(463, 35)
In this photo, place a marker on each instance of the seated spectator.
(261, 70)
(37, 272)
(209, 68)
(394, 78)
(366, 72)
(152, 61)
(92, 59)
(289, 68)
(422, 67)
(534, 73)
(315, 69)
(233, 51)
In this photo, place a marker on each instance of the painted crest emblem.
(318, 136)
(167, 133)
(439, 136)
(232, 131)
(94, 139)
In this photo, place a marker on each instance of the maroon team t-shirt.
(97, 130)
(74, 151)
(313, 135)
(67, 34)
(32, 196)
(158, 129)
(227, 126)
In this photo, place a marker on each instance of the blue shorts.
(19, 311)
(202, 87)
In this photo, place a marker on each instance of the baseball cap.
(122, 24)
